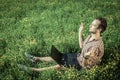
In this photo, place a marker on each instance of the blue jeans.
(70, 60)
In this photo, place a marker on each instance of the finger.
(82, 24)
(92, 50)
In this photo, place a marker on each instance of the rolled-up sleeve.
(95, 58)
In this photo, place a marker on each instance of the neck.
(95, 35)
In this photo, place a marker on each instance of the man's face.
(94, 26)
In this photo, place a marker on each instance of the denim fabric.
(70, 60)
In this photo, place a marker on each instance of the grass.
(35, 25)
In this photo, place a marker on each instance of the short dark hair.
(103, 23)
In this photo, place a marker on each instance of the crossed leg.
(46, 59)
(43, 59)
(46, 68)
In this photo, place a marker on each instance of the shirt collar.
(95, 39)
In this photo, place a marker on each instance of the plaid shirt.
(98, 46)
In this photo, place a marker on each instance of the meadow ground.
(35, 25)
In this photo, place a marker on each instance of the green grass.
(35, 25)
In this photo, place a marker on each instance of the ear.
(100, 29)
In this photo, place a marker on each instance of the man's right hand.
(81, 28)
(90, 53)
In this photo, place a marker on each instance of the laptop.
(64, 59)
(56, 55)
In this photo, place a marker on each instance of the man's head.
(98, 25)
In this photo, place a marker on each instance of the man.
(92, 50)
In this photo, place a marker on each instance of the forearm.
(80, 39)
(81, 35)
(92, 60)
